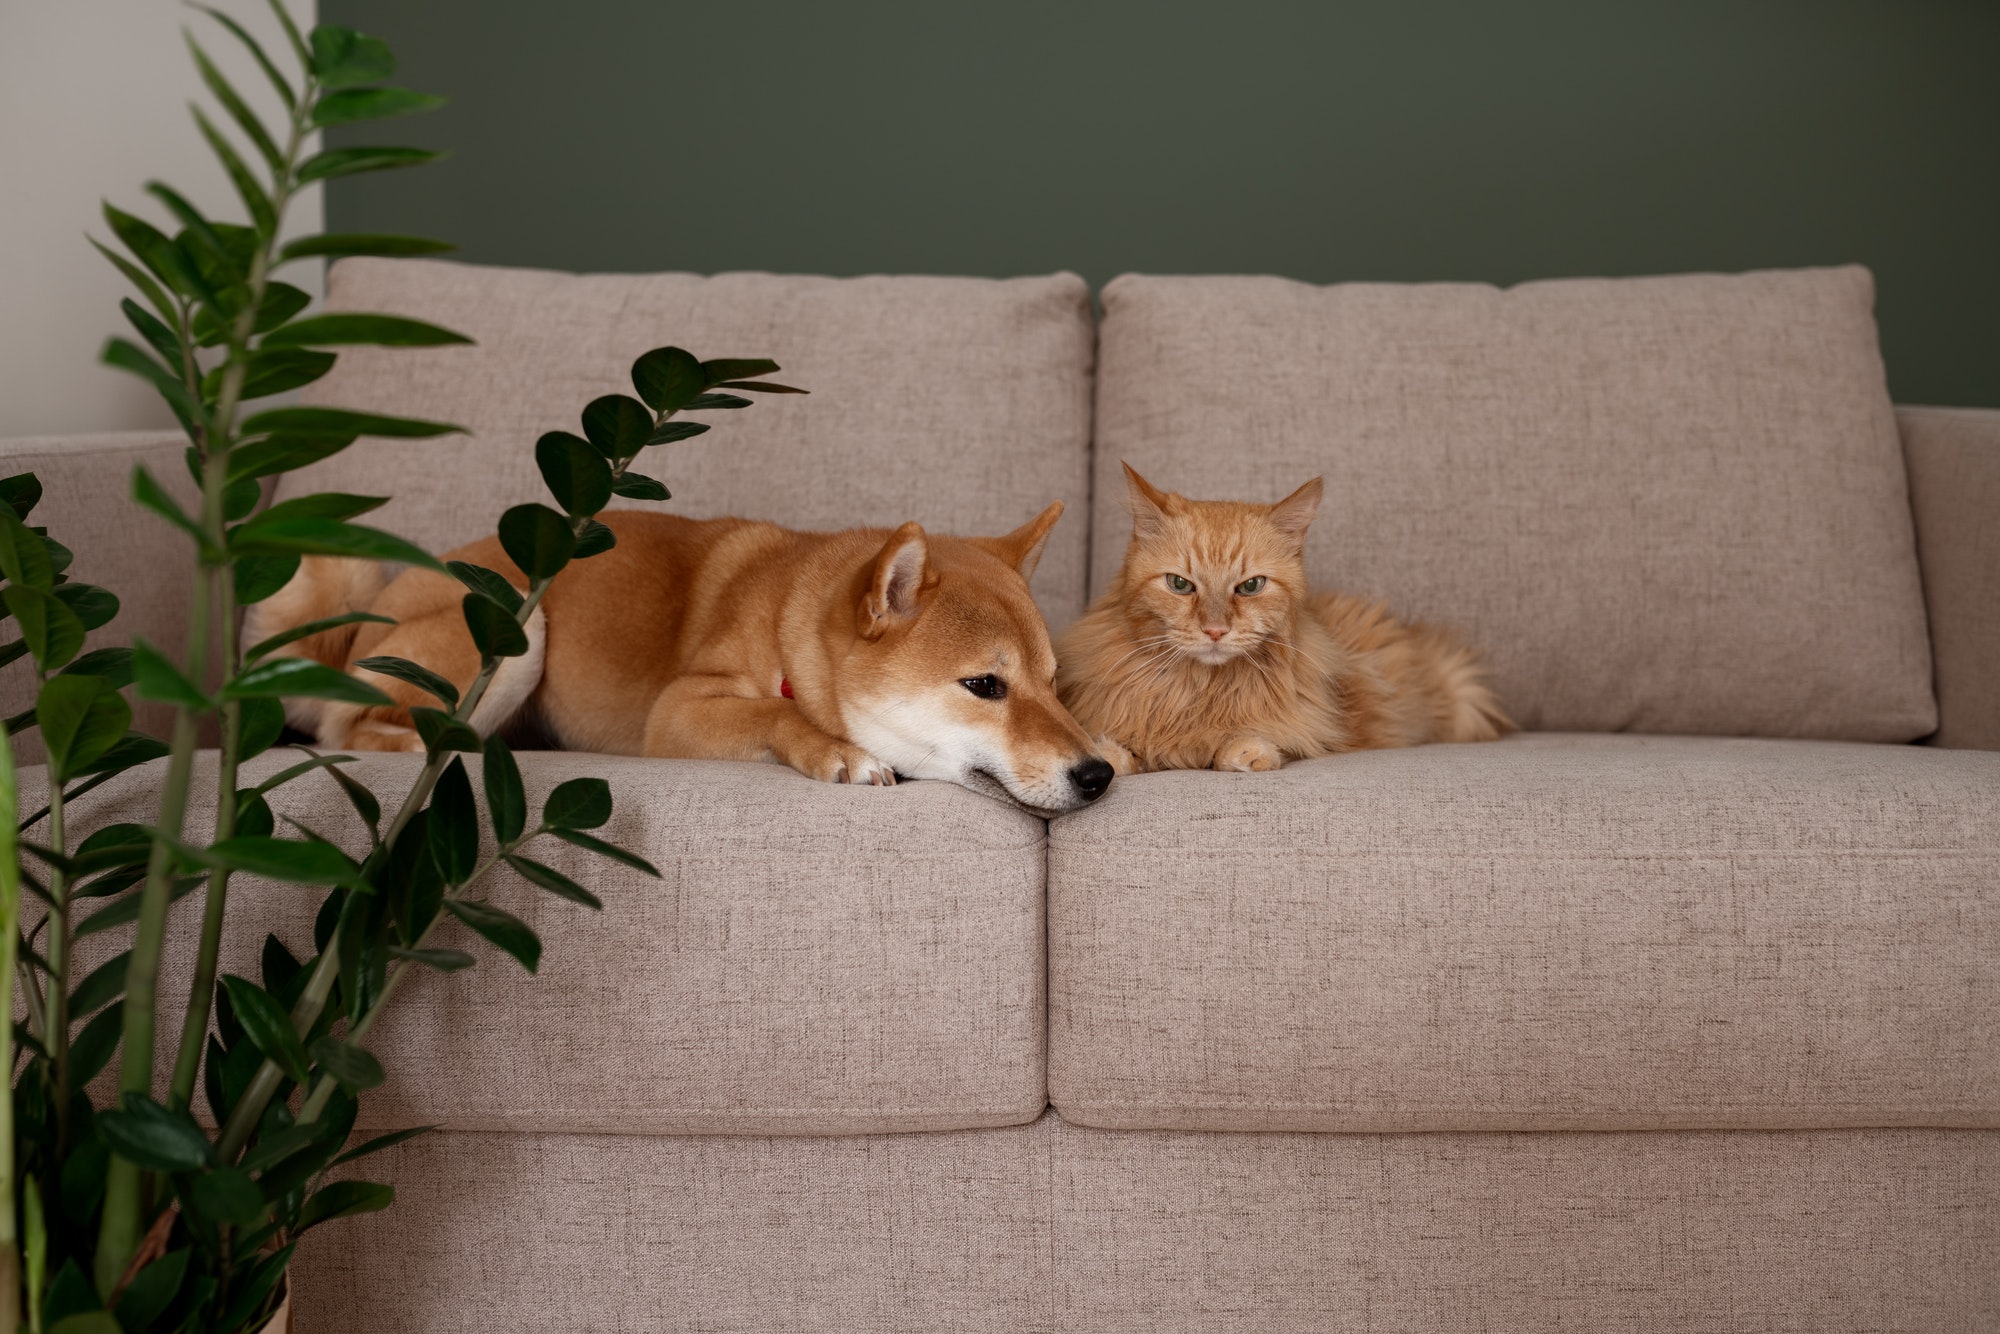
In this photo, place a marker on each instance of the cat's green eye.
(1179, 584)
(1251, 585)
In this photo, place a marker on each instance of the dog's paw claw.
(1249, 755)
(842, 763)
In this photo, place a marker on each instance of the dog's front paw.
(1121, 760)
(1248, 754)
(839, 762)
(371, 734)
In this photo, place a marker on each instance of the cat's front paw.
(1248, 754)
(1121, 760)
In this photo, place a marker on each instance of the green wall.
(1468, 140)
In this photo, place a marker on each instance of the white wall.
(93, 104)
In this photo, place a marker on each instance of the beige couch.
(1677, 1012)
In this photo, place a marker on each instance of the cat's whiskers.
(1153, 642)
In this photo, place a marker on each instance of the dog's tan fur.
(677, 641)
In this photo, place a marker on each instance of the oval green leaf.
(537, 539)
(306, 862)
(268, 1025)
(501, 928)
(495, 632)
(156, 678)
(668, 378)
(633, 486)
(81, 717)
(148, 1135)
(325, 537)
(617, 425)
(353, 161)
(353, 1068)
(228, 1197)
(343, 1199)
(506, 800)
(301, 678)
(577, 838)
(423, 678)
(341, 421)
(594, 540)
(344, 58)
(554, 881)
(676, 431)
(345, 108)
(372, 330)
(454, 825)
(575, 472)
(580, 803)
(339, 245)
(482, 580)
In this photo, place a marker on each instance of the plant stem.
(118, 1234)
(55, 1036)
(31, 994)
(323, 1089)
(10, 916)
(249, 1110)
(201, 992)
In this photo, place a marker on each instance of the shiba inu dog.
(853, 657)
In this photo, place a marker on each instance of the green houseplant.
(125, 1213)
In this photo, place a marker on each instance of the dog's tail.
(324, 587)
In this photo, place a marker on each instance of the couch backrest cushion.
(962, 403)
(1655, 504)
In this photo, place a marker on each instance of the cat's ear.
(1022, 548)
(897, 584)
(1147, 502)
(1294, 514)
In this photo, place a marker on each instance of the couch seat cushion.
(1544, 933)
(815, 958)
(1669, 505)
(961, 403)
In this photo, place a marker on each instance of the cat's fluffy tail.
(1468, 708)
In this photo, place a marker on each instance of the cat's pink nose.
(1215, 632)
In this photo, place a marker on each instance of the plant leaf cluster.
(131, 1214)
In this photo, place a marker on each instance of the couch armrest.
(1953, 456)
(88, 507)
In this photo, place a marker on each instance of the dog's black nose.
(1091, 778)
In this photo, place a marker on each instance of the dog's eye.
(986, 687)
(1251, 585)
(1180, 584)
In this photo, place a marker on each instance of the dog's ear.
(1022, 548)
(1294, 514)
(1149, 504)
(896, 584)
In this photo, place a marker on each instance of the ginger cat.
(1211, 652)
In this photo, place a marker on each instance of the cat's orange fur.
(1212, 677)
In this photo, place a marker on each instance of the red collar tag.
(785, 687)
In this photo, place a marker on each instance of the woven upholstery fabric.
(815, 958)
(1658, 505)
(962, 403)
(1544, 933)
(1954, 458)
(87, 506)
(1049, 1228)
